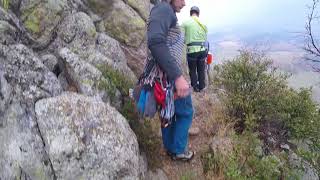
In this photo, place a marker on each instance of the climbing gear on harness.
(154, 80)
(209, 58)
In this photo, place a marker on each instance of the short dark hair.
(194, 12)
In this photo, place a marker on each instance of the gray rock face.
(78, 33)
(7, 33)
(23, 79)
(22, 151)
(41, 17)
(5, 93)
(136, 57)
(25, 72)
(141, 6)
(63, 81)
(111, 48)
(50, 61)
(84, 76)
(143, 166)
(309, 173)
(87, 139)
(120, 21)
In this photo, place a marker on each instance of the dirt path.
(177, 170)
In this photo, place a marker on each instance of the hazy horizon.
(275, 27)
(260, 15)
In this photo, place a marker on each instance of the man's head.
(177, 4)
(194, 11)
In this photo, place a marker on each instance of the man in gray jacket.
(162, 25)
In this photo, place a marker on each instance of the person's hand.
(182, 87)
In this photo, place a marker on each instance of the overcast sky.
(267, 15)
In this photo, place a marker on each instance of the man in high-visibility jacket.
(196, 41)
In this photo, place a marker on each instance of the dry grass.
(210, 118)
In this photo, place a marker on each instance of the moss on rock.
(32, 22)
(121, 21)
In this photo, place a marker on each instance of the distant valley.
(284, 48)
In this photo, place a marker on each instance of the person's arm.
(161, 19)
(183, 30)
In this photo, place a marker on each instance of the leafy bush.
(255, 92)
(313, 157)
(301, 116)
(251, 87)
(118, 80)
(246, 161)
(114, 80)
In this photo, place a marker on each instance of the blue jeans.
(175, 136)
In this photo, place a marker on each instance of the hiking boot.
(202, 89)
(186, 156)
(196, 89)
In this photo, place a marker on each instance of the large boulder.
(24, 80)
(82, 75)
(141, 6)
(111, 49)
(136, 57)
(78, 33)
(8, 33)
(28, 76)
(41, 17)
(50, 61)
(121, 21)
(87, 139)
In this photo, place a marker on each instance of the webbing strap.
(201, 25)
(196, 44)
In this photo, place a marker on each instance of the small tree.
(312, 46)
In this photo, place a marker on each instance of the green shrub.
(115, 80)
(252, 88)
(254, 91)
(118, 79)
(313, 157)
(246, 161)
(301, 116)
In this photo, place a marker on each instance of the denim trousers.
(175, 136)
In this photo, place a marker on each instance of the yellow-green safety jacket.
(194, 31)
